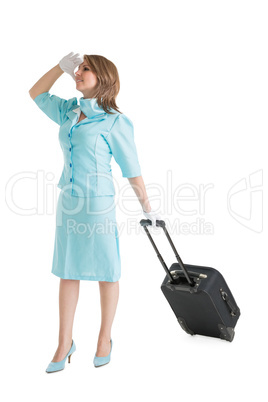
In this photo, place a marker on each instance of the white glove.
(153, 216)
(70, 62)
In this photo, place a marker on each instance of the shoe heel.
(69, 359)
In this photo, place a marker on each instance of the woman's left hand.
(153, 216)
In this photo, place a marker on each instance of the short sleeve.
(54, 107)
(123, 147)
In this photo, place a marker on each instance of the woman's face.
(86, 80)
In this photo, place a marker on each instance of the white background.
(193, 80)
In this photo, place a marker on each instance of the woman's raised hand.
(70, 62)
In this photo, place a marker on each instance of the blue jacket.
(89, 145)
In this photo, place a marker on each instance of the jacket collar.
(90, 108)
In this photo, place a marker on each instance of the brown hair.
(108, 81)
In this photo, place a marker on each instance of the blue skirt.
(86, 239)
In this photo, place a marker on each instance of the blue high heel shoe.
(101, 361)
(58, 366)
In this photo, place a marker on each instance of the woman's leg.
(68, 298)
(109, 294)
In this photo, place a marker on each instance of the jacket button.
(69, 135)
(70, 149)
(71, 179)
(70, 165)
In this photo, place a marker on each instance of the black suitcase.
(198, 296)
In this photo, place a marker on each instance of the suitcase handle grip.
(148, 222)
(161, 223)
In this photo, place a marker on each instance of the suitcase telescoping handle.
(162, 224)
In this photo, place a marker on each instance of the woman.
(90, 134)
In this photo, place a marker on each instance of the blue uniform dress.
(87, 239)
